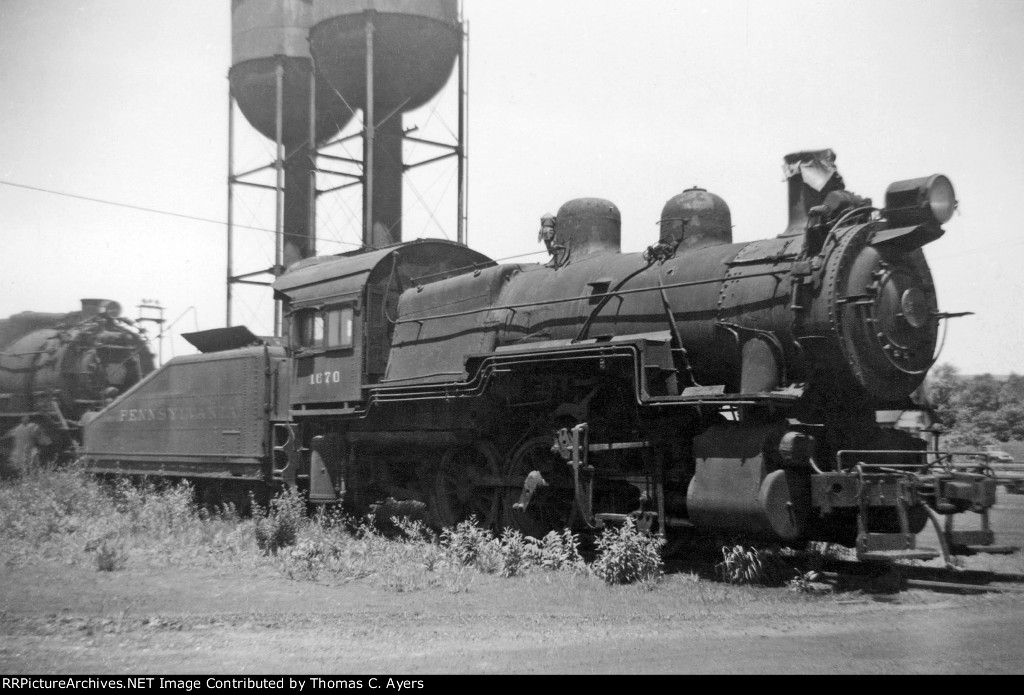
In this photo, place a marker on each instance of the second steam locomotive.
(726, 387)
(57, 369)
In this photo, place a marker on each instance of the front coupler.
(876, 490)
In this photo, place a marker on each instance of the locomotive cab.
(340, 316)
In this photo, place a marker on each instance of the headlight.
(930, 200)
(111, 309)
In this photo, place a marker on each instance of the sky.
(126, 101)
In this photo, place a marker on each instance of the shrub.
(467, 542)
(411, 560)
(168, 511)
(278, 526)
(513, 553)
(490, 558)
(764, 567)
(305, 560)
(469, 545)
(110, 556)
(556, 551)
(626, 555)
(413, 530)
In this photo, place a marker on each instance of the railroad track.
(931, 578)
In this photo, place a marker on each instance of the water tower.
(387, 57)
(302, 70)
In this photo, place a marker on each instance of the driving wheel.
(467, 484)
(550, 507)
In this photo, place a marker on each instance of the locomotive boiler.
(56, 368)
(702, 384)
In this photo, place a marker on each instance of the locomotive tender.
(700, 384)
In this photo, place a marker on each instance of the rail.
(945, 580)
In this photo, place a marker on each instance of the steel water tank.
(266, 33)
(415, 44)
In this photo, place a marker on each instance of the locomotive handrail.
(475, 266)
(939, 455)
(588, 297)
(466, 268)
(778, 258)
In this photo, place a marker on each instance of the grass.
(155, 578)
(67, 516)
(63, 514)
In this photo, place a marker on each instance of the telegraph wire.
(163, 212)
(209, 220)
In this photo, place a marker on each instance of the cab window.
(338, 328)
(309, 327)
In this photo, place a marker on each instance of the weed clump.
(762, 567)
(515, 557)
(110, 556)
(626, 555)
(511, 554)
(64, 513)
(468, 543)
(306, 560)
(277, 526)
(163, 510)
(344, 549)
(555, 552)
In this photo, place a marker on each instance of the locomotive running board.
(646, 351)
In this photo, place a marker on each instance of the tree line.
(976, 410)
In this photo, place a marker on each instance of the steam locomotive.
(702, 384)
(56, 368)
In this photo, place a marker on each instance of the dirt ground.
(60, 618)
